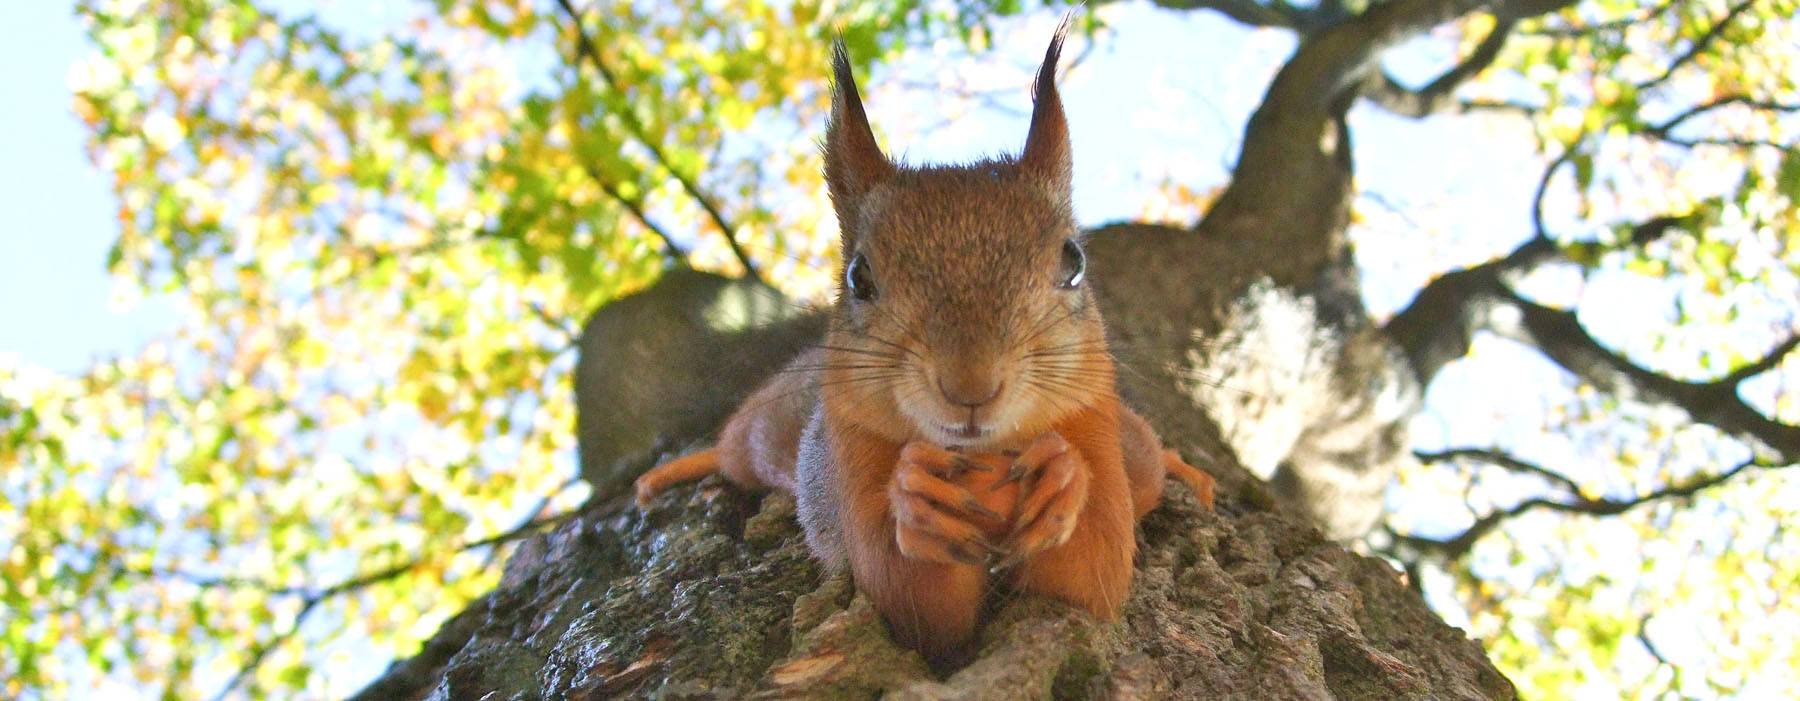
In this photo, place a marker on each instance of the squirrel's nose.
(969, 392)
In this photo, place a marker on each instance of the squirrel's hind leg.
(757, 446)
(1195, 478)
(686, 468)
(1148, 465)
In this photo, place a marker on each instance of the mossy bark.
(711, 594)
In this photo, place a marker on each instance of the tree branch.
(1664, 128)
(1732, 141)
(1519, 108)
(1572, 31)
(636, 209)
(1560, 336)
(1761, 365)
(1501, 459)
(1384, 91)
(1441, 321)
(1292, 183)
(1460, 545)
(1437, 328)
(1248, 12)
(1698, 46)
(585, 46)
(310, 600)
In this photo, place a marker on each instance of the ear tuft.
(853, 161)
(1046, 156)
(1046, 74)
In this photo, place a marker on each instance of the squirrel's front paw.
(1056, 488)
(936, 520)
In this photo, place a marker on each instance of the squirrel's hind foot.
(686, 468)
(1195, 478)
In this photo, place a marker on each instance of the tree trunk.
(712, 594)
(1243, 340)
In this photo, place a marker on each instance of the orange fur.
(933, 607)
(963, 328)
(1092, 569)
(683, 469)
(1200, 482)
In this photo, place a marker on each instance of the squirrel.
(964, 342)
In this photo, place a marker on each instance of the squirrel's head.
(964, 315)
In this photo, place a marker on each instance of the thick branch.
(1438, 326)
(1560, 336)
(1248, 12)
(1441, 321)
(585, 45)
(1291, 189)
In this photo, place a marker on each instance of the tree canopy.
(383, 227)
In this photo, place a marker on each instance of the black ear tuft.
(1046, 156)
(853, 161)
(1046, 75)
(841, 75)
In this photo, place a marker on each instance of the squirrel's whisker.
(928, 304)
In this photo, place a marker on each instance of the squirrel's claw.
(960, 464)
(934, 520)
(1048, 512)
(1013, 474)
(1034, 457)
(974, 505)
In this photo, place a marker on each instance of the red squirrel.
(959, 423)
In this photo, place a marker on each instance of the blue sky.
(59, 208)
(1166, 96)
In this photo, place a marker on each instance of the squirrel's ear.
(1046, 156)
(853, 162)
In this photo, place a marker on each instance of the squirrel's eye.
(1074, 265)
(856, 278)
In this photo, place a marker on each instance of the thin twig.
(311, 600)
(585, 45)
(1621, 23)
(1460, 545)
(1698, 46)
(636, 209)
(1663, 128)
(1383, 90)
(1502, 459)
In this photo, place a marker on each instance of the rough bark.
(1242, 339)
(711, 594)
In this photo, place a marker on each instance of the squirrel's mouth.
(967, 432)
